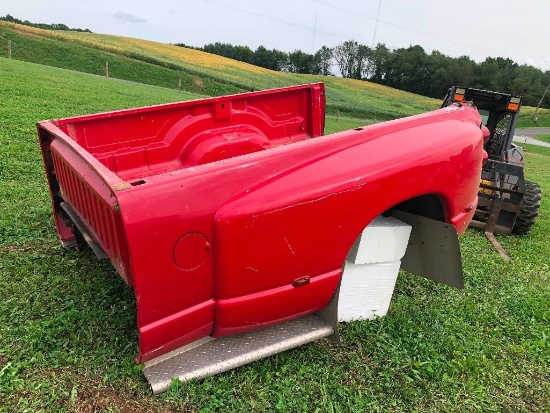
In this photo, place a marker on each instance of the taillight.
(459, 94)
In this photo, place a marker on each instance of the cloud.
(128, 17)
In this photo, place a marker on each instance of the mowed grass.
(67, 321)
(529, 119)
(31, 93)
(204, 73)
(545, 137)
(334, 124)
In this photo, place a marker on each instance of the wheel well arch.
(433, 251)
(427, 206)
(432, 236)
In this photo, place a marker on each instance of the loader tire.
(528, 209)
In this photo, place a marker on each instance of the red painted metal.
(213, 209)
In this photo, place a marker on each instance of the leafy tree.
(407, 69)
(379, 63)
(270, 59)
(507, 68)
(530, 84)
(461, 71)
(322, 61)
(300, 62)
(55, 26)
(240, 53)
(410, 69)
(487, 75)
(345, 55)
(437, 73)
(363, 62)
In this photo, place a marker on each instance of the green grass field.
(526, 118)
(545, 137)
(67, 321)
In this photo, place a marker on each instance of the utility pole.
(540, 102)
(314, 32)
(376, 25)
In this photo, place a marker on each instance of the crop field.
(67, 321)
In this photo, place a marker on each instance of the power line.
(397, 25)
(316, 30)
(275, 19)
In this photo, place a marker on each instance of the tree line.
(410, 69)
(45, 26)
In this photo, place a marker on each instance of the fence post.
(107, 70)
(9, 49)
(179, 85)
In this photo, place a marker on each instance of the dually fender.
(304, 222)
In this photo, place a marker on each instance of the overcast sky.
(516, 29)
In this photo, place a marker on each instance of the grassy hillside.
(162, 64)
(67, 321)
(203, 73)
(71, 55)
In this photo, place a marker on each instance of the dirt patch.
(84, 394)
(92, 400)
(3, 360)
(98, 396)
(31, 247)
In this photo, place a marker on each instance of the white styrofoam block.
(383, 240)
(366, 290)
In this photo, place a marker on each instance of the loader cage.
(502, 186)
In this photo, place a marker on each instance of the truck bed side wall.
(76, 182)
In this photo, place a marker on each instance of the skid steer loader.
(507, 202)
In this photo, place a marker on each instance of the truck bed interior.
(137, 143)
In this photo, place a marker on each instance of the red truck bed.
(235, 213)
